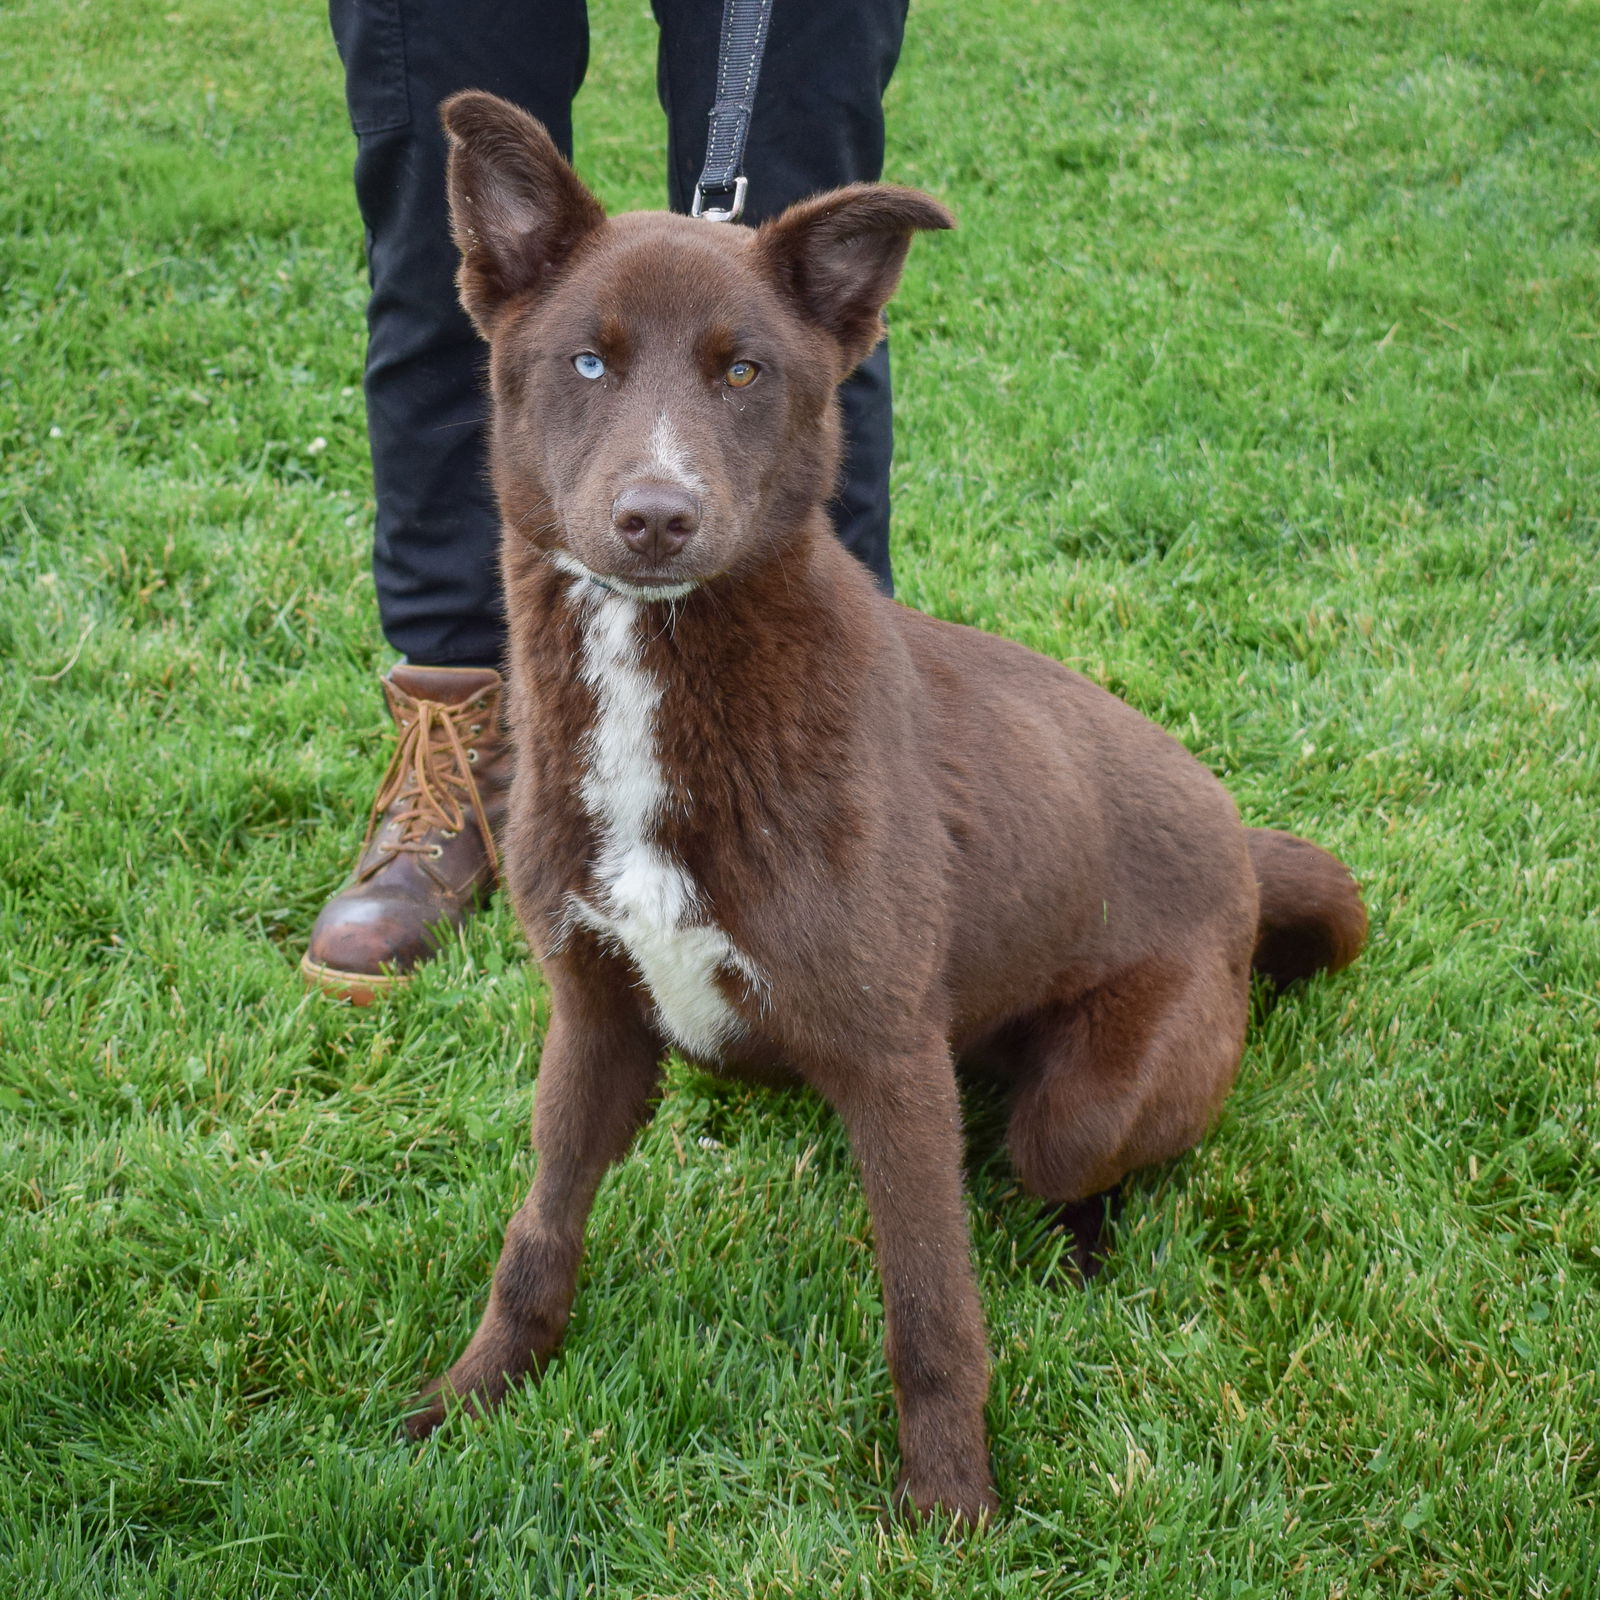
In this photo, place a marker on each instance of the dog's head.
(664, 388)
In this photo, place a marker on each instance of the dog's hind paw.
(1087, 1225)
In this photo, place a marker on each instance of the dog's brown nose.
(656, 519)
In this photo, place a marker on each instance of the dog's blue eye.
(589, 365)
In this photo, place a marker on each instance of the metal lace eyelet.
(477, 727)
(472, 755)
(436, 852)
(450, 833)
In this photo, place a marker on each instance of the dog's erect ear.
(517, 210)
(838, 256)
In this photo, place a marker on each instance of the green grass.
(1260, 383)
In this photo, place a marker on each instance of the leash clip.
(731, 213)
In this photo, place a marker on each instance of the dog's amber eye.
(589, 365)
(741, 374)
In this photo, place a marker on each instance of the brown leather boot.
(429, 858)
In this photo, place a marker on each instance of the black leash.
(719, 195)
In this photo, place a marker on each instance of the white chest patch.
(646, 903)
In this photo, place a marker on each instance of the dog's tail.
(1312, 918)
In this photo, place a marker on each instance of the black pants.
(818, 123)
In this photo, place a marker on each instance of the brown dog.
(772, 820)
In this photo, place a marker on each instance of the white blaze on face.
(647, 904)
(668, 457)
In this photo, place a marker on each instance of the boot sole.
(359, 988)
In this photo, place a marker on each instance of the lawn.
(1261, 383)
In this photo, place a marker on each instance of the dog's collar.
(620, 586)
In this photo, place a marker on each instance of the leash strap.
(719, 195)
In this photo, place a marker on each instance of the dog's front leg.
(599, 1069)
(904, 1122)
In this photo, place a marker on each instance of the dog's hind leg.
(1131, 1073)
(598, 1071)
(904, 1120)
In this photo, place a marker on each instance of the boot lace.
(420, 774)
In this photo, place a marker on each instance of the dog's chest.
(644, 901)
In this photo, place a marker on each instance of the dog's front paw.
(966, 1501)
(501, 1353)
(427, 1411)
(463, 1388)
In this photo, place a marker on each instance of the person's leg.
(818, 124)
(429, 856)
(437, 534)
